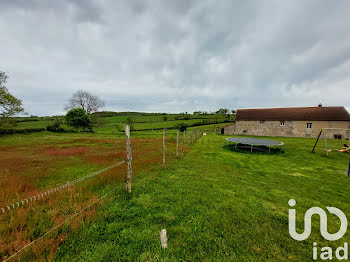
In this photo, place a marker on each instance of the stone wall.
(290, 128)
(229, 129)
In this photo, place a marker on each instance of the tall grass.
(34, 163)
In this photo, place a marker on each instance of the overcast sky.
(176, 56)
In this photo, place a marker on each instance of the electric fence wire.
(59, 225)
(56, 189)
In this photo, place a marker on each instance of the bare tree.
(85, 100)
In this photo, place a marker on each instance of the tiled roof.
(319, 113)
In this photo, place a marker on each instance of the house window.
(308, 125)
(261, 122)
(336, 136)
(282, 123)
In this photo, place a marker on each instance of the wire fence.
(171, 147)
(56, 189)
(59, 225)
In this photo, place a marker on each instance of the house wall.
(229, 129)
(291, 128)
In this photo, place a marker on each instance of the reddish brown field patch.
(23, 167)
(72, 151)
(104, 158)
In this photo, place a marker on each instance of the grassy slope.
(218, 205)
(158, 118)
(112, 127)
(33, 124)
(141, 122)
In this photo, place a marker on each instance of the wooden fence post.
(163, 239)
(177, 144)
(183, 141)
(128, 159)
(164, 133)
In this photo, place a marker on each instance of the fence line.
(56, 189)
(164, 143)
(183, 141)
(192, 137)
(128, 159)
(177, 144)
(59, 225)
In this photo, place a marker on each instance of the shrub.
(77, 118)
(182, 127)
(55, 126)
(129, 121)
(9, 131)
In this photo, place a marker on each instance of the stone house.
(291, 122)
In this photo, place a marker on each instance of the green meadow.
(218, 205)
(113, 123)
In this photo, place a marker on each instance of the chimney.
(320, 105)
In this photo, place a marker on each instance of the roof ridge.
(302, 107)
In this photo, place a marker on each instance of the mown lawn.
(218, 205)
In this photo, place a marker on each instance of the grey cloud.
(176, 55)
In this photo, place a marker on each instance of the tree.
(9, 105)
(77, 118)
(222, 111)
(85, 100)
(233, 112)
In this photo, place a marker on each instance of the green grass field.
(218, 205)
(141, 121)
